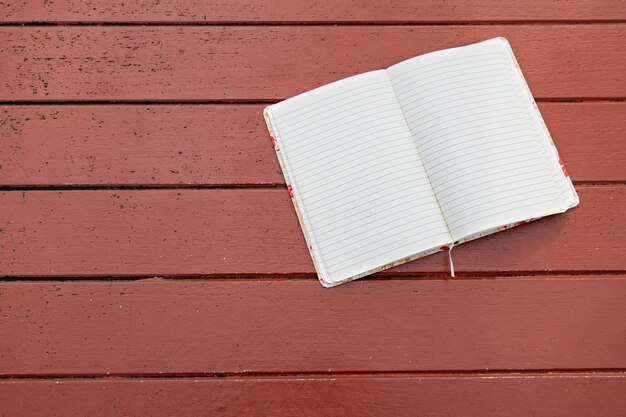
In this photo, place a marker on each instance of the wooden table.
(153, 265)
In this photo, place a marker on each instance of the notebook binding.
(311, 241)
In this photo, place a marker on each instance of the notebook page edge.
(311, 245)
(575, 199)
(418, 255)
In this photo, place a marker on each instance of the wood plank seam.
(315, 23)
(223, 186)
(225, 102)
(271, 278)
(513, 396)
(322, 375)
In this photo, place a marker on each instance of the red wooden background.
(151, 262)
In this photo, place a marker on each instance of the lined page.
(480, 137)
(359, 184)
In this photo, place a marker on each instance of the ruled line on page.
(403, 234)
(317, 138)
(444, 62)
(356, 136)
(486, 112)
(493, 141)
(412, 236)
(531, 204)
(497, 193)
(456, 182)
(349, 117)
(462, 102)
(475, 130)
(336, 231)
(354, 178)
(339, 227)
(356, 156)
(364, 195)
(332, 123)
(439, 70)
(364, 198)
(461, 97)
(533, 193)
(325, 114)
(327, 97)
(370, 231)
(384, 161)
(463, 79)
(473, 119)
(379, 157)
(439, 152)
(437, 140)
(335, 108)
(423, 102)
(330, 212)
(460, 78)
(458, 82)
(407, 235)
(426, 116)
(479, 188)
(451, 177)
(323, 154)
(340, 184)
(478, 161)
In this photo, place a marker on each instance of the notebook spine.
(309, 236)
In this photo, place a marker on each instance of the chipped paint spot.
(563, 167)
(276, 148)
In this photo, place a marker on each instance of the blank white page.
(482, 141)
(359, 186)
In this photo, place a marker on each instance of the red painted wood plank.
(398, 11)
(243, 326)
(251, 231)
(560, 395)
(138, 145)
(252, 63)
(227, 144)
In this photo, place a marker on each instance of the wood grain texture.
(246, 326)
(251, 231)
(559, 395)
(162, 145)
(137, 145)
(309, 11)
(268, 63)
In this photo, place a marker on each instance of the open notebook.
(392, 165)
